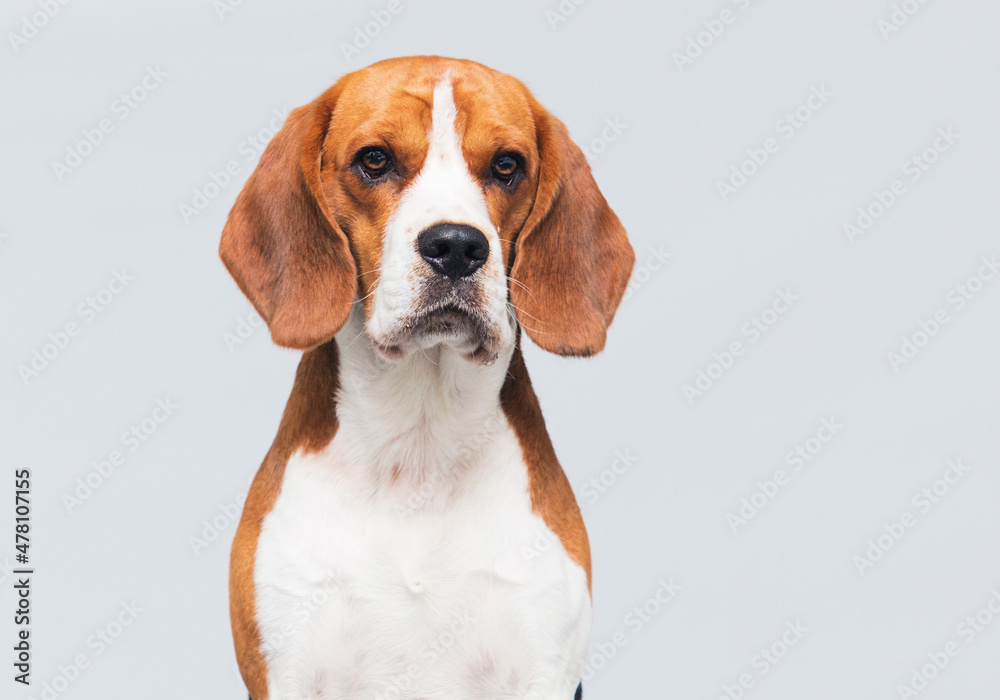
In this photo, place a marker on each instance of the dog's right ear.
(282, 243)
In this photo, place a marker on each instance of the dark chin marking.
(391, 352)
(482, 356)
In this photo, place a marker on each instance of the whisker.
(423, 351)
(534, 330)
(522, 285)
(525, 325)
(520, 310)
(358, 336)
(351, 344)
(374, 289)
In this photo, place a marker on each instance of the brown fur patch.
(572, 259)
(308, 423)
(551, 494)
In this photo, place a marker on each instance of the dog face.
(442, 190)
(440, 195)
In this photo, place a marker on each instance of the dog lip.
(446, 307)
(446, 318)
(451, 318)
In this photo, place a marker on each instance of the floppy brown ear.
(281, 243)
(572, 259)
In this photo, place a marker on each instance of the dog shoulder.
(308, 424)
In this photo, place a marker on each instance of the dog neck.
(422, 418)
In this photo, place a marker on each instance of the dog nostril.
(438, 250)
(474, 251)
(453, 250)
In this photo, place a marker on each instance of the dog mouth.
(450, 322)
(448, 319)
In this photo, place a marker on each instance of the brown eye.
(374, 162)
(505, 167)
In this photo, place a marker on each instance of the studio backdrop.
(786, 455)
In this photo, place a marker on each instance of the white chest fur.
(413, 567)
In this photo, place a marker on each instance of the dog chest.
(460, 592)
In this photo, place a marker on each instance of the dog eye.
(505, 168)
(374, 162)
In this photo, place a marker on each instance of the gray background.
(827, 357)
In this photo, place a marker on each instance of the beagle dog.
(410, 534)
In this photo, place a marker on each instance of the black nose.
(453, 250)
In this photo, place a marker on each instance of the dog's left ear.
(572, 259)
(281, 242)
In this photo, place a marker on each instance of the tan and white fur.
(410, 534)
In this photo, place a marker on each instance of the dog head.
(440, 195)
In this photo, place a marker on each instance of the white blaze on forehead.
(443, 116)
(445, 190)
